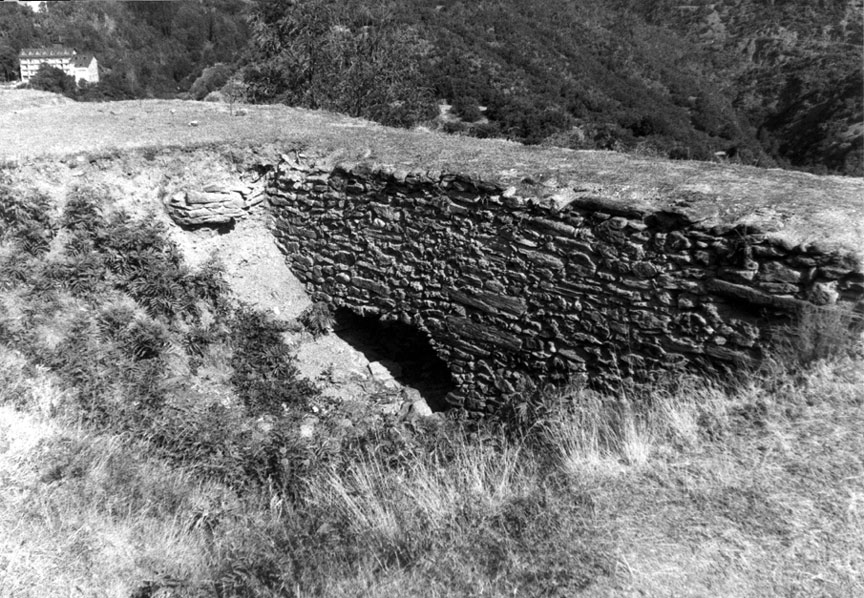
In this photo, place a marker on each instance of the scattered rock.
(420, 409)
(307, 427)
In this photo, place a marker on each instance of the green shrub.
(15, 269)
(145, 339)
(81, 273)
(265, 376)
(816, 333)
(83, 212)
(86, 365)
(317, 319)
(161, 289)
(26, 217)
(55, 80)
(222, 442)
(211, 79)
(208, 284)
(113, 320)
(131, 245)
(467, 108)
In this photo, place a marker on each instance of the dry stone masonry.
(546, 282)
(214, 204)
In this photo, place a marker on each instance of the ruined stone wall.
(558, 284)
(216, 203)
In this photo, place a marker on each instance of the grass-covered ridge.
(797, 207)
(150, 442)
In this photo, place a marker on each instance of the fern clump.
(265, 376)
(146, 339)
(317, 319)
(26, 218)
(83, 213)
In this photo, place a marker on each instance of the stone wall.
(558, 283)
(216, 203)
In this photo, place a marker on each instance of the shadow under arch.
(403, 349)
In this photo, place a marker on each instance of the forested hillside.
(771, 83)
(145, 49)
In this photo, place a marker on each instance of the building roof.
(82, 61)
(52, 52)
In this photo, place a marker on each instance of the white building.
(79, 66)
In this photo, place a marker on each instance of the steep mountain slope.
(792, 67)
(769, 83)
(145, 49)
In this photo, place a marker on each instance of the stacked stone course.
(558, 285)
(216, 203)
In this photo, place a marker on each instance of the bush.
(131, 246)
(467, 108)
(816, 333)
(80, 272)
(27, 218)
(145, 339)
(211, 79)
(82, 213)
(317, 319)
(265, 376)
(84, 364)
(113, 320)
(49, 78)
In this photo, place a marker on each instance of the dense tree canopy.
(49, 78)
(145, 49)
(351, 56)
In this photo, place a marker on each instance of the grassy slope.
(754, 492)
(773, 508)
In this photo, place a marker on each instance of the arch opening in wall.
(403, 349)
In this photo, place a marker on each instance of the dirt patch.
(254, 267)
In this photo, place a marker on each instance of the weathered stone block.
(371, 285)
(469, 329)
(777, 272)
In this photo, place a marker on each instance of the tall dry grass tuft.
(595, 435)
(399, 509)
(94, 513)
(817, 332)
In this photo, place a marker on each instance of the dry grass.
(704, 494)
(92, 515)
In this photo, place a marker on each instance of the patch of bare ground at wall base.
(258, 275)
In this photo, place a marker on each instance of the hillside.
(769, 84)
(764, 84)
(793, 69)
(159, 435)
(145, 49)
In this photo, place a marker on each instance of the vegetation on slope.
(769, 85)
(145, 49)
(171, 458)
(773, 84)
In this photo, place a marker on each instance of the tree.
(8, 63)
(351, 57)
(213, 78)
(49, 78)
